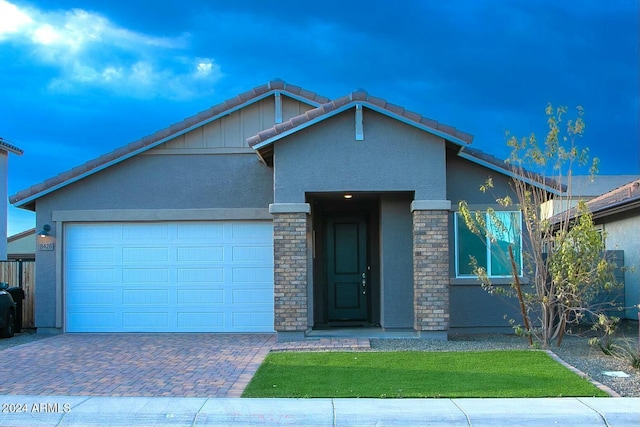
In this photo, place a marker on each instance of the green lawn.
(416, 374)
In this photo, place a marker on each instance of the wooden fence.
(23, 275)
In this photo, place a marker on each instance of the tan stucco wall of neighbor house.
(622, 233)
(22, 245)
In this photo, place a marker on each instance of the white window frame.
(456, 216)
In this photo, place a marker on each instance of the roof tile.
(312, 114)
(429, 122)
(412, 116)
(446, 128)
(276, 84)
(395, 108)
(293, 89)
(359, 95)
(377, 101)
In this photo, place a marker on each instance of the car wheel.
(7, 331)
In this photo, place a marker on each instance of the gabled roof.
(594, 186)
(5, 146)
(25, 197)
(21, 235)
(263, 141)
(618, 200)
(498, 165)
(621, 199)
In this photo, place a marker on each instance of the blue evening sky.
(81, 78)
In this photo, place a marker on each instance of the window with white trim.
(491, 251)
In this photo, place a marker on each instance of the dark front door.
(346, 268)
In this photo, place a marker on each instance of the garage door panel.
(145, 232)
(200, 275)
(262, 254)
(246, 321)
(145, 275)
(252, 275)
(250, 296)
(199, 321)
(152, 297)
(200, 296)
(95, 255)
(169, 277)
(145, 321)
(252, 232)
(200, 254)
(95, 321)
(145, 254)
(200, 232)
(89, 276)
(91, 297)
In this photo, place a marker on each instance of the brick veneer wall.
(431, 270)
(290, 271)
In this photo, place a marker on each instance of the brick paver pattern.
(150, 365)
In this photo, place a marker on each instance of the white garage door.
(169, 277)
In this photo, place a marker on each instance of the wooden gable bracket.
(359, 125)
(278, 99)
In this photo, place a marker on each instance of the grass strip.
(511, 373)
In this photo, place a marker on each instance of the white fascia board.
(508, 173)
(303, 125)
(278, 108)
(140, 150)
(359, 125)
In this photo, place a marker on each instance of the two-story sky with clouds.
(82, 78)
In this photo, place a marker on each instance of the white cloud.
(12, 19)
(89, 51)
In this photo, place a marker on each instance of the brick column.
(431, 269)
(290, 271)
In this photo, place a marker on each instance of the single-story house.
(277, 210)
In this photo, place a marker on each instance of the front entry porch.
(370, 262)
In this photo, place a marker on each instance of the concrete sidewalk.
(187, 411)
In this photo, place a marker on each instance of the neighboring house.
(585, 188)
(5, 149)
(22, 246)
(618, 213)
(277, 210)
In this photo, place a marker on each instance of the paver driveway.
(200, 365)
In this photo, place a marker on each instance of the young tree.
(563, 255)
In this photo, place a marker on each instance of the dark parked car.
(7, 315)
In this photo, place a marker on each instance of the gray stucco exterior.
(392, 157)
(396, 250)
(405, 177)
